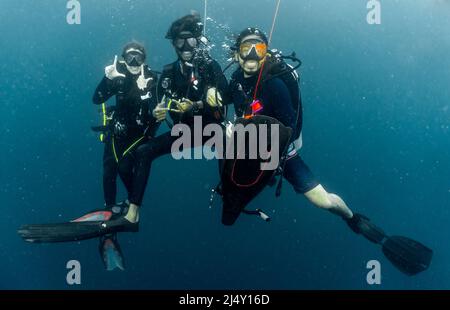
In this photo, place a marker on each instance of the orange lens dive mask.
(253, 50)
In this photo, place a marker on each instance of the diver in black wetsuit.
(131, 124)
(194, 85)
(127, 125)
(134, 86)
(253, 94)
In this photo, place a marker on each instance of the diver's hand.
(160, 112)
(142, 82)
(184, 105)
(213, 97)
(111, 71)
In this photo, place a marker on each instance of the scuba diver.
(266, 88)
(131, 123)
(193, 85)
(126, 126)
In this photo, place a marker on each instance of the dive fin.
(111, 253)
(407, 255)
(62, 232)
(101, 215)
(75, 231)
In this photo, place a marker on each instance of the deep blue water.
(377, 115)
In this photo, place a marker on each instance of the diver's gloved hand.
(213, 97)
(142, 82)
(160, 112)
(185, 105)
(111, 71)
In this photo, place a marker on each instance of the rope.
(274, 20)
(259, 81)
(205, 17)
(270, 40)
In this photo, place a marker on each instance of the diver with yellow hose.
(126, 126)
(134, 86)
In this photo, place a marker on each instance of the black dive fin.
(62, 232)
(409, 256)
(74, 231)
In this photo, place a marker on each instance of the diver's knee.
(320, 198)
(146, 151)
(325, 203)
(143, 150)
(125, 170)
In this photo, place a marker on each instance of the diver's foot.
(133, 219)
(355, 221)
(361, 224)
(120, 224)
(133, 213)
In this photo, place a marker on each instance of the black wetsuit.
(276, 102)
(193, 85)
(131, 126)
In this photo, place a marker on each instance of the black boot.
(361, 224)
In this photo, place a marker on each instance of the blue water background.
(377, 115)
